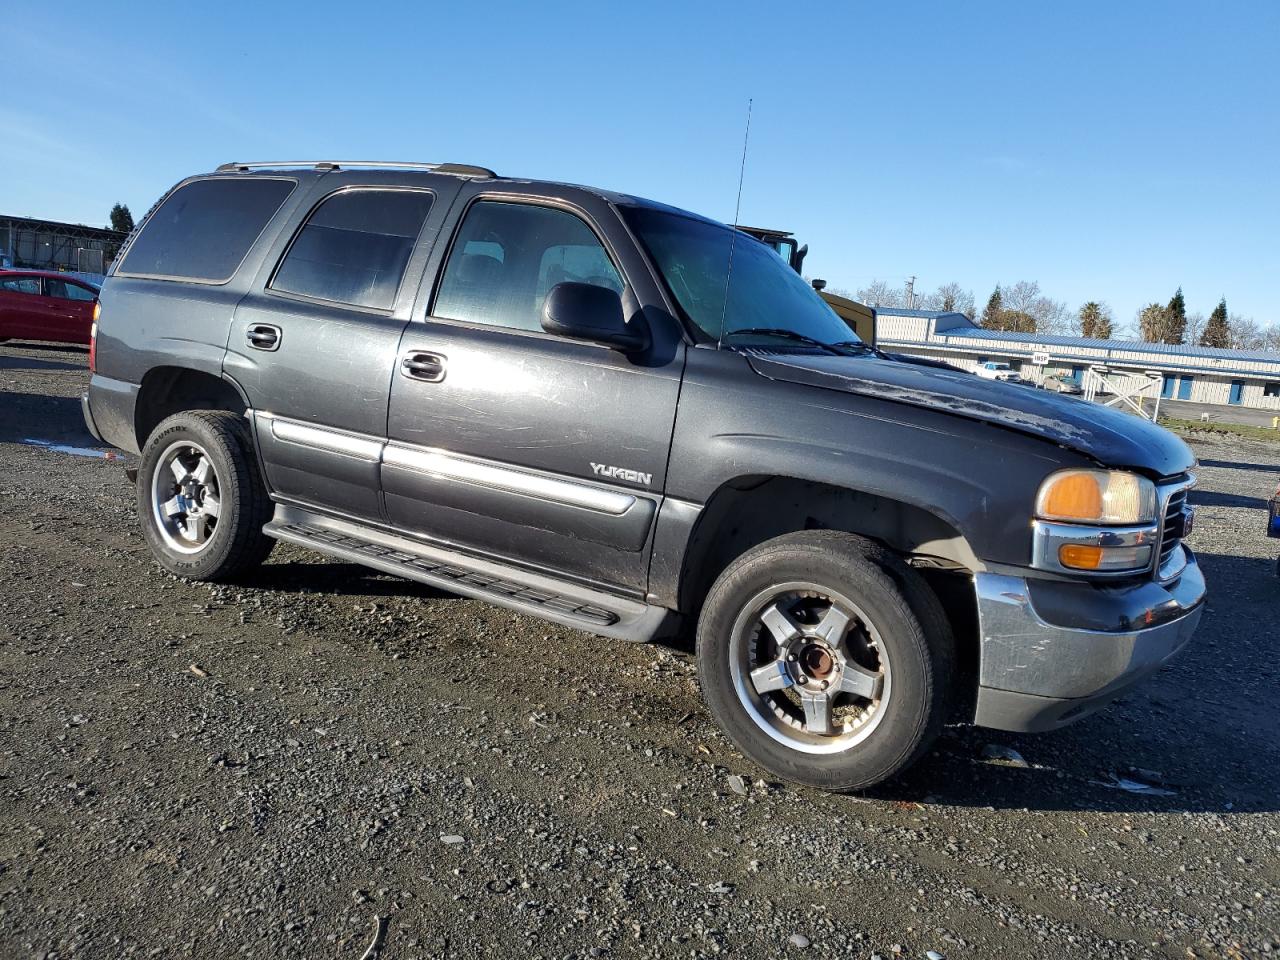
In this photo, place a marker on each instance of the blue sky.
(1107, 150)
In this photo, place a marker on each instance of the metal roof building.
(51, 245)
(1200, 374)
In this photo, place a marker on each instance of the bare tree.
(950, 297)
(1025, 297)
(1271, 338)
(880, 294)
(1246, 333)
(1127, 331)
(1196, 323)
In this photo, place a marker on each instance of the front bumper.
(1051, 653)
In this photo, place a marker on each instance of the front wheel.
(826, 659)
(201, 498)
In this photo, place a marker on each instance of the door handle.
(420, 365)
(263, 336)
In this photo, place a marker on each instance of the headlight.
(1097, 496)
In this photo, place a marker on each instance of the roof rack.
(457, 169)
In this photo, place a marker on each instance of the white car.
(997, 371)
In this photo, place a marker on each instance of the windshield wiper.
(781, 332)
(860, 345)
(838, 348)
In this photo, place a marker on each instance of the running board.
(536, 594)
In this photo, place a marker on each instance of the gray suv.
(624, 418)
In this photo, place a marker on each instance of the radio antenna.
(733, 237)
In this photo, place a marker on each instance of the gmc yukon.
(626, 418)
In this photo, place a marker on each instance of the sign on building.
(1040, 358)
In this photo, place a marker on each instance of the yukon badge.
(621, 473)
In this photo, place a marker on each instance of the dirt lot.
(1185, 410)
(272, 769)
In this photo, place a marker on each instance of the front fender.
(979, 478)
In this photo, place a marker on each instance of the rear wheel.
(826, 659)
(201, 498)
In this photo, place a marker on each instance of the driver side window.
(66, 290)
(508, 256)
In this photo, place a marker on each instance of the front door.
(314, 343)
(510, 442)
(70, 309)
(1184, 388)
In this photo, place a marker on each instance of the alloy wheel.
(185, 497)
(809, 667)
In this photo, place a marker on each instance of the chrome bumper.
(1039, 675)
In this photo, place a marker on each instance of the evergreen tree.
(1175, 330)
(993, 315)
(1217, 332)
(121, 218)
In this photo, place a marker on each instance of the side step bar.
(536, 594)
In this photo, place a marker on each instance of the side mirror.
(584, 311)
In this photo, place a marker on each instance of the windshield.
(768, 301)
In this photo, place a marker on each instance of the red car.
(39, 305)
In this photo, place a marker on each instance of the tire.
(199, 542)
(761, 689)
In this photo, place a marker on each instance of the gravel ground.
(288, 767)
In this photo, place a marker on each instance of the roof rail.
(457, 169)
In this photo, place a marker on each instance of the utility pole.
(911, 293)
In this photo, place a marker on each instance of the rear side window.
(354, 247)
(20, 285)
(203, 229)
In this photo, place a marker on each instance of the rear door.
(313, 343)
(511, 442)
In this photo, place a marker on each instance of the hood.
(1109, 436)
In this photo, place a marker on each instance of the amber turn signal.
(1079, 556)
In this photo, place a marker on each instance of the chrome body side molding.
(445, 465)
(484, 473)
(323, 439)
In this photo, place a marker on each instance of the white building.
(1199, 374)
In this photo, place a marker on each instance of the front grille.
(1172, 526)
